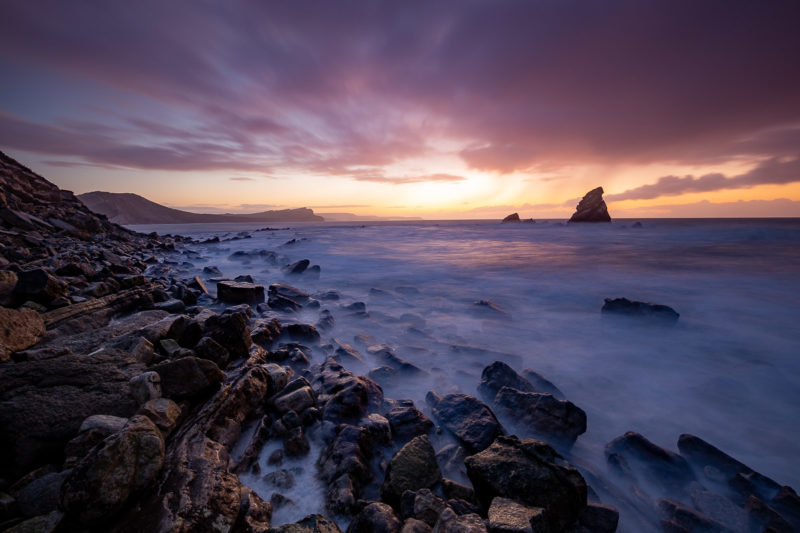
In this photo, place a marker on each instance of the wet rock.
(295, 444)
(543, 414)
(428, 506)
(451, 458)
(634, 456)
(346, 354)
(499, 375)
(266, 333)
(454, 490)
(413, 467)
(625, 307)
(146, 386)
(762, 517)
(407, 421)
(542, 384)
(19, 329)
(39, 286)
(530, 472)
(298, 267)
(103, 482)
(296, 400)
(598, 518)
(208, 348)
(288, 292)
(92, 432)
(41, 496)
(386, 356)
(375, 518)
(678, 517)
(412, 525)
(212, 271)
(343, 395)
(189, 378)
(508, 516)
(591, 208)
(326, 320)
(239, 292)
(378, 429)
(163, 413)
(720, 509)
(302, 332)
(449, 522)
(469, 419)
(314, 523)
(231, 331)
(173, 305)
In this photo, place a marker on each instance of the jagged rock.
(39, 286)
(302, 332)
(513, 217)
(231, 331)
(19, 329)
(598, 518)
(498, 375)
(375, 518)
(188, 377)
(344, 467)
(428, 507)
(164, 413)
(343, 395)
(591, 208)
(469, 419)
(103, 482)
(530, 472)
(508, 516)
(266, 333)
(413, 467)
(208, 348)
(625, 307)
(678, 517)
(314, 523)
(294, 294)
(296, 400)
(407, 421)
(541, 413)
(454, 490)
(239, 292)
(146, 386)
(386, 356)
(635, 457)
(298, 267)
(449, 522)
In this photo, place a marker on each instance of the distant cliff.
(127, 208)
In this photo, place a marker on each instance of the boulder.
(498, 375)
(146, 386)
(298, 267)
(294, 294)
(469, 419)
(542, 414)
(376, 517)
(231, 331)
(39, 286)
(532, 473)
(41, 496)
(654, 312)
(19, 329)
(48, 523)
(164, 413)
(413, 467)
(508, 516)
(104, 481)
(302, 332)
(542, 384)
(92, 432)
(188, 377)
(407, 421)
(513, 217)
(315, 523)
(208, 348)
(239, 292)
(428, 506)
(450, 522)
(592, 208)
(266, 333)
(8, 280)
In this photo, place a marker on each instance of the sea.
(728, 371)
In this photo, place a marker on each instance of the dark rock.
(48, 523)
(315, 523)
(454, 490)
(530, 472)
(92, 432)
(345, 396)
(39, 286)
(720, 509)
(8, 280)
(428, 506)
(375, 518)
(302, 332)
(513, 217)
(326, 321)
(266, 333)
(294, 294)
(499, 375)
(384, 355)
(294, 400)
(508, 516)
(189, 378)
(173, 305)
(208, 348)
(212, 271)
(633, 455)
(146, 386)
(541, 384)
(677, 517)
(19, 329)
(762, 517)
(449, 522)
(164, 413)
(469, 419)
(232, 332)
(598, 518)
(407, 421)
(295, 443)
(239, 292)
(462, 507)
(541, 413)
(412, 525)
(41, 496)
(591, 208)
(378, 429)
(413, 467)
(298, 267)
(625, 307)
(102, 483)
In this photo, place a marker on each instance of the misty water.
(729, 371)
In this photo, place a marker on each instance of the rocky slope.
(127, 208)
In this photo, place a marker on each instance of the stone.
(413, 467)
(591, 208)
(41, 496)
(454, 490)
(48, 523)
(294, 294)
(188, 377)
(103, 482)
(529, 472)
(302, 332)
(239, 292)
(19, 329)
(407, 421)
(469, 419)
(298, 267)
(376, 517)
(173, 305)
(93, 431)
(208, 348)
(498, 375)
(678, 517)
(295, 444)
(231, 331)
(146, 386)
(164, 413)
(508, 516)
(449, 522)
(8, 280)
(721, 509)
(543, 414)
(599, 518)
(412, 525)
(297, 400)
(513, 217)
(541, 384)
(315, 523)
(654, 312)
(266, 333)
(39, 286)
(428, 506)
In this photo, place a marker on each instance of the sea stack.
(592, 208)
(513, 217)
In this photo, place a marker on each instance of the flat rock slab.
(239, 292)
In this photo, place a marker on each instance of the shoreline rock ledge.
(591, 208)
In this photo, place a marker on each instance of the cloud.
(772, 171)
(403, 180)
(241, 179)
(343, 206)
(779, 207)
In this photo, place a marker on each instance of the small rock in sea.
(488, 308)
(298, 267)
(244, 278)
(625, 307)
(375, 517)
(302, 332)
(238, 292)
(413, 467)
(468, 418)
(592, 208)
(212, 271)
(513, 217)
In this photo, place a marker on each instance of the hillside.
(127, 208)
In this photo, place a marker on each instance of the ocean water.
(728, 371)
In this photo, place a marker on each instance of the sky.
(439, 109)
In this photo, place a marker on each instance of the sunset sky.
(447, 109)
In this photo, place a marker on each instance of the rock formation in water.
(592, 208)
(127, 208)
(514, 218)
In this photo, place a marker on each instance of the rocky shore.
(131, 400)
